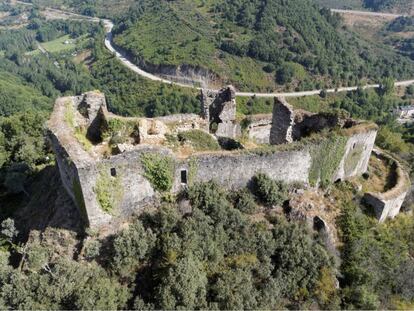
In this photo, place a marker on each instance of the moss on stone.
(353, 159)
(80, 135)
(69, 114)
(109, 192)
(159, 170)
(326, 157)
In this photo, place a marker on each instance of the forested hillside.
(256, 45)
(205, 249)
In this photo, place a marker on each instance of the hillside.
(253, 45)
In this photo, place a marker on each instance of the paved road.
(366, 13)
(124, 60)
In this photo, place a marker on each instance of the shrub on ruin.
(159, 170)
(244, 201)
(92, 249)
(208, 197)
(200, 140)
(269, 191)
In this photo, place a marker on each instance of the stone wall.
(358, 151)
(219, 108)
(259, 127)
(83, 173)
(282, 124)
(388, 204)
(235, 171)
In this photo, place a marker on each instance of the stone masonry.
(82, 170)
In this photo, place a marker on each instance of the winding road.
(108, 24)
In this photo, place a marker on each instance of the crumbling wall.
(259, 127)
(291, 125)
(388, 204)
(220, 109)
(135, 191)
(358, 151)
(92, 106)
(282, 125)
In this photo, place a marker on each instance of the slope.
(256, 45)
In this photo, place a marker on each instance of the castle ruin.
(108, 175)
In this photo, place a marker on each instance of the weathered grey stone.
(81, 170)
(283, 121)
(259, 128)
(388, 204)
(357, 154)
(219, 108)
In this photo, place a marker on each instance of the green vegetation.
(109, 191)
(159, 170)
(269, 191)
(373, 275)
(131, 95)
(17, 96)
(254, 45)
(375, 5)
(61, 44)
(69, 115)
(353, 158)
(199, 140)
(326, 157)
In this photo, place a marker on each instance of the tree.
(183, 285)
(387, 86)
(130, 248)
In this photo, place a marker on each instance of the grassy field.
(61, 44)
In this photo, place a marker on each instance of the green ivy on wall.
(353, 159)
(109, 192)
(159, 170)
(326, 157)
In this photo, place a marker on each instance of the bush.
(244, 202)
(269, 191)
(269, 68)
(159, 170)
(200, 140)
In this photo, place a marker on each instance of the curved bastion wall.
(106, 188)
(388, 204)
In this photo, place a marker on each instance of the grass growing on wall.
(353, 159)
(326, 158)
(109, 192)
(69, 114)
(159, 170)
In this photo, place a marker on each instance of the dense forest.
(256, 45)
